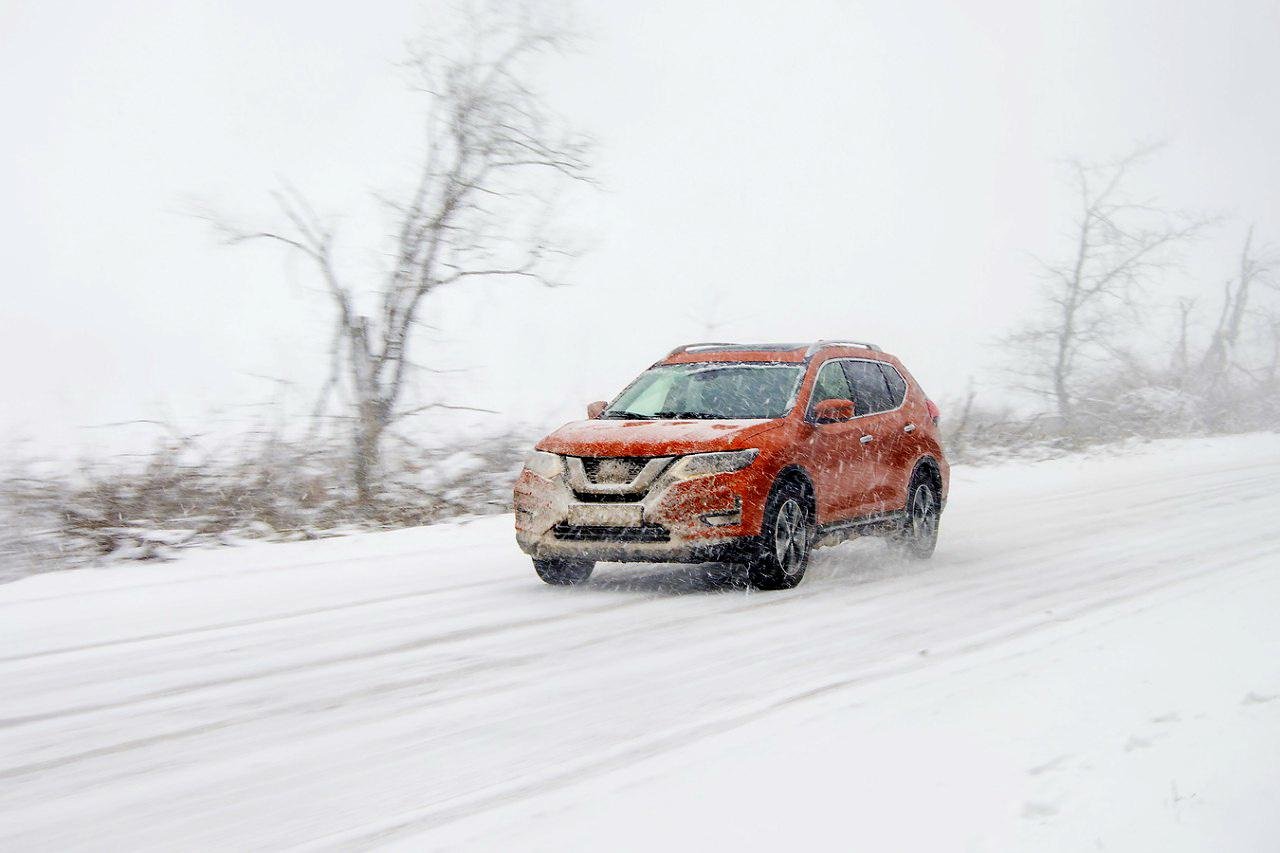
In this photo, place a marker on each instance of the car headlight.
(705, 464)
(548, 466)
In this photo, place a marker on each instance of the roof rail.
(704, 345)
(817, 345)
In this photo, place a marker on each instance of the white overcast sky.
(774, 171)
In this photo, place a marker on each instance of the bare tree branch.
(492, 150)
(1118, 246)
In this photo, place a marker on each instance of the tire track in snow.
(244, 623)
(457, 635)
(1046, 594)
(433, 817)
(234, 573)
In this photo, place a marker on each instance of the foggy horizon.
(835, 171)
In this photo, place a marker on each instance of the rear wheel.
(786, 537)
(918, 534)
(561, 572)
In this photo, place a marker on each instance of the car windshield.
(709, 390)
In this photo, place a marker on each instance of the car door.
(835, 450)
(878, 429)
(904, 441)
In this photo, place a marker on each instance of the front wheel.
(786, 538)
(918, 535)
(563, 572)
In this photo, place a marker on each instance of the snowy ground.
(1091, 661)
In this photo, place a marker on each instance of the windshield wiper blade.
(702, 416)
(625, 416)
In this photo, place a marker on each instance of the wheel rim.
(789, 536)
(924, 515)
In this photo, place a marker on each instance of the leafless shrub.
(180, 496)
(981, 433)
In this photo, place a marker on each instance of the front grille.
(593, 533)
(616, 470)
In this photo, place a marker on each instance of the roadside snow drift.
(1091, 661)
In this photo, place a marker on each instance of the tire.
(917, 536)
(563, 572)
(786, 538)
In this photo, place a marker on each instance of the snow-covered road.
(1091, 659)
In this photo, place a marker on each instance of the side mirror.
(594, 409)
(833, 411)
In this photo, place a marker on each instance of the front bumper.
(707, 519)
(614, 551)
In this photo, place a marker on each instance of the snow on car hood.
(653, 438)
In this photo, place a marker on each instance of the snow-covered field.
(1091, 661)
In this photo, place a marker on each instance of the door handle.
(867, 439)
(909, 428)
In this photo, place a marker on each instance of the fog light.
(724, 517)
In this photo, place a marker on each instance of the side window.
(831, 384)
(897, 385)
(870, 390)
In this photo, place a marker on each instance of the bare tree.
(1119, 244)
(1237, 375)
(1220, 356)
(494, 156)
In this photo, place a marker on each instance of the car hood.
(653, 438)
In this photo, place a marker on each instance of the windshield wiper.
(625, 416)
(680, 416)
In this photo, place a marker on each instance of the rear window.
(870, 390)
(897, 385)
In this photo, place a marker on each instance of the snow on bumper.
(704, 519)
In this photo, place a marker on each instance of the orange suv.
(743, 454)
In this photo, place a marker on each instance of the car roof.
(783, 352)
